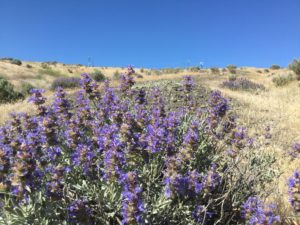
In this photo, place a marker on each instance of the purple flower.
(188, 83)
(294, 191)
(79, 212)
(295, 150)
(89, 86)
(256, 213)
(37, 96)
(200, 214)
(132, 203)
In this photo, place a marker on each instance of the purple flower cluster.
(256, 213)
(295, 150)
(217, 108)
(127, 81)
(79, 212)
(113, 140)
(294, 191)
(132, 207)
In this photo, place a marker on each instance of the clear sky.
(152, 33)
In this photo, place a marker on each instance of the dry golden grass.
(278, 108)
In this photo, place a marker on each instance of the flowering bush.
(242, 84)
(128, 156)
(65, 82)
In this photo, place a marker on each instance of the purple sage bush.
(65, 82)
(130, 156)
(242, 84)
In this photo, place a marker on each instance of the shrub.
(49, 71)
(282, 80)
(70, 71)
(259, 71)
(242, 84)
(16, 62)
(45, 65)
(142, 70)
(65, 82)
(194, 69)
(7, 92)
(266, 70)
(295, 67)
(29, 66)
(26, 88)
(215, 70)
(98, 76)
(232, 77)
(54, 63)
(130, 158)
(139, 76)
(156, 72)
(116, 75)
(171, 70)
(232, 69)
(275, 67)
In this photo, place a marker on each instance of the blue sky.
(152, 33)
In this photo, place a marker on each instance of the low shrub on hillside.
(65, 82)
(28, 66)
(242, 84)
(232, 69)
(26, 88)
(116, 75)
(51, 72)
(98, 76)
(295, 67)
(16, 62)
(275, 67)
(282, 80)
(12, 61)
(171, 70)
(132, 156)
(232, 77)
(215, 70)
(194, 69)
(7, 92)
(156, 72)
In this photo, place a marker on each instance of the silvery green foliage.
(129, 156)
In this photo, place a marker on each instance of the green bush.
(29, 66)
(139, 76)
(194, 69)
(295, 67)
(98, 76)
(232, 69)
(116, 75)
(45, 65)
(232, 77)
(215, 70)
(282, 80)
(275, 67)
(65, 82)
(49, 71)
(26, 87)
(16, 62)
(156, 72)
(266, 70)
(142, 70)
(171, 70)
(7, 92)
